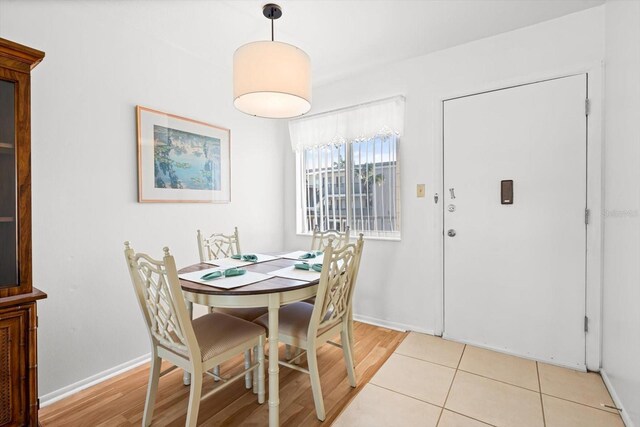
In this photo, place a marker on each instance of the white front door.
(514, 271)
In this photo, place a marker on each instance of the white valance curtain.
(359, 123)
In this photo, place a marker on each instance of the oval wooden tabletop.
(273, 284)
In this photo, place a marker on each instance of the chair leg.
(247, 364)
(348, 355)
(186, 376)
(194, 397)
(287, 352)
(296, 354)
(288, 355)
(152, 388)
(351, 338)
(312, 360)
(255, 375)
(260, 373)
(216, 372)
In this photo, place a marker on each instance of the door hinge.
(38, 404)
(587, 107)
(586, 324)
(587, 215)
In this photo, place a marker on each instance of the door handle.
(451, 233)
(452, 192)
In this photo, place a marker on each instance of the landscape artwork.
(185, 160)
(181, 160)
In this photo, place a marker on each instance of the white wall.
(85, 175)
(621, 323)
(400, 282)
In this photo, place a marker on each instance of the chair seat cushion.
(293, 320)
(217, 333)
(249, 314)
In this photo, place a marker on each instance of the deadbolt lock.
(451, 233)
(451, 208)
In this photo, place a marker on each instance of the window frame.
(350, 170)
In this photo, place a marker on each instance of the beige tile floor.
(429, 381)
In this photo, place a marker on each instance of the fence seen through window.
(354, 184)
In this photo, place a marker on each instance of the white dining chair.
(220, 245)
(320, 239)
(195, 346)
(307, 326)
(319, 242)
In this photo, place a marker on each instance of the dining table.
(272, 292)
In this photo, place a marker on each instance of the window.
(351, 183)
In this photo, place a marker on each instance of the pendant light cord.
(271, 29)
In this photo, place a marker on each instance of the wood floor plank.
(119, 401)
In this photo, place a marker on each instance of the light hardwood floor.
(119, 401)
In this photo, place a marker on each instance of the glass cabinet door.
(8, 197)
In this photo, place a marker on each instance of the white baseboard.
(390, 325)
(616, 400)
(67, 391)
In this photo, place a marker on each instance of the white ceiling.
(342, 37)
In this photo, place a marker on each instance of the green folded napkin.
(307, 266)
(248, 257)
(230, 272)
(308, 255)
(212, 275)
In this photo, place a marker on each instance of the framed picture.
(182, 160)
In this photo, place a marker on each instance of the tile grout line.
(471, 418)
(581, 404)
(470, 372)
(451, 385)
(539, 391)
(405, 395)
(544, 417)
(499, 381)
(599, 408)
(424, 360)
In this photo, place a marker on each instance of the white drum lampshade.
(271, 79)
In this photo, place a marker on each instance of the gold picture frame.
(181, 160)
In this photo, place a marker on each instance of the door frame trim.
(595, 196)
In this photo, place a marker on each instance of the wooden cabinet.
(18, 297)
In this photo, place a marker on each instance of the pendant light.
(271, 79)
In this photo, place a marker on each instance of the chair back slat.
(160, 298)
(320, 239)
(218, 245)
(337, 282)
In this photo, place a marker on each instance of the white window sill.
(354, 237)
